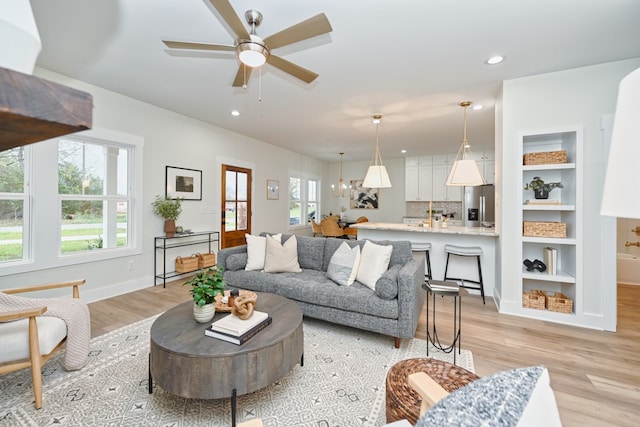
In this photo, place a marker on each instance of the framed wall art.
(183, 183)
(273, 189)
(363, 198)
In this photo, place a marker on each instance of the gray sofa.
(392, 309)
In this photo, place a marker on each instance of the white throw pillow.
(256, 251)
(374, 261)
(282, 257)
(344, 263)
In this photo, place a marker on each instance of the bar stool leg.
(428, 265)
(480, 278)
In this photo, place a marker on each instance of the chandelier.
(342, 187)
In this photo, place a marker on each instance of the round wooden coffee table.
(185, 362)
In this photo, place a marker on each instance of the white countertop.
(470, 231)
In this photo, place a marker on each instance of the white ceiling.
(411, 60)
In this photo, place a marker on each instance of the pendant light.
(342, 187)
(464, 171)
(377, 176)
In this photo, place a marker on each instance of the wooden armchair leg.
(34, 354)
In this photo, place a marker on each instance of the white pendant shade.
(465, 173)
(618, 198)
(377, 177)
(20, 42)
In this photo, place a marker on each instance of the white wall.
(578, 97)
(175, 140)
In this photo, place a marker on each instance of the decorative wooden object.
(33, 109)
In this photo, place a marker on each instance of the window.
(94, 195)
(79, 195)
(14, 201)
(304, 200)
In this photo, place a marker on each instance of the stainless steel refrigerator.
(480, 206)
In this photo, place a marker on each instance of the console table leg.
(150, 379)
(234, 398)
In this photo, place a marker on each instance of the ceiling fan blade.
(197, 46)
(293, 69)
(312, 27)
(242, 76)
(230, 17)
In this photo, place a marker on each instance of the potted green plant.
(170, 210)
(540, 188)
(205, 286)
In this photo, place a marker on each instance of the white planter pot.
(205, 313)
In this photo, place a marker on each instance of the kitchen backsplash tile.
(419, 209)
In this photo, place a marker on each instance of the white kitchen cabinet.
(418, 179)
(441, 168)
(485, 160)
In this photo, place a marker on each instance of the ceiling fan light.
(252, 54)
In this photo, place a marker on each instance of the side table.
(436, 288)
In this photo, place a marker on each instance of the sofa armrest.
(224, 254)
(410, 299)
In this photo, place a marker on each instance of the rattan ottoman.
(403, 402)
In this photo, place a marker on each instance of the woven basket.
(206, 260)
(557, 301)
(403, 402)
(185, 265)
(544, 229)
(545, 158)
(534, 299)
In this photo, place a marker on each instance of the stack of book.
(237, 331)
(551, 260)
(443, 286)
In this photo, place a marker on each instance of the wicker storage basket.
(206, 260)
(557, 301)
(544, 229)
(534, 299)
(545, 158)
(185, 265)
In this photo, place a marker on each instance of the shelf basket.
(534, 299)
(557, 301)
(185, 265)
(544, 229)
(545, 158)
(206, 260)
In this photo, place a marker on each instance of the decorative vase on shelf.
(169, 227)
(205, 313)
(541, 193)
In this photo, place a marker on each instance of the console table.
(162, 243)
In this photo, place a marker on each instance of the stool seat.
(424, 247)
(403, 402)
(463, 250)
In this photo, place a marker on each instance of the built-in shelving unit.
(564, 207)
(162, 244)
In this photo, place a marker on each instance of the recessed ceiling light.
(403, 151)
(495, 60)
(235, 113)
(477, 107)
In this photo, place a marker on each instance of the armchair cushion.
(15, 342)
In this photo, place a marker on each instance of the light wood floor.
(595, 375)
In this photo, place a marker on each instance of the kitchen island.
(465, 267)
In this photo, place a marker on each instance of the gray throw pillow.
(344, 264)
(387, 284)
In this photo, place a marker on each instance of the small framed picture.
(183, 183)
(273, 189)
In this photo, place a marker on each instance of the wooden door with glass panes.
(236, 202)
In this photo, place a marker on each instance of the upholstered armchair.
(33, 329)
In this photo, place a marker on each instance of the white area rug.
(342, 383)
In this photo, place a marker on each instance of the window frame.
(43, 193)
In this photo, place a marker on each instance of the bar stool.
(423, 247)
(468, 251)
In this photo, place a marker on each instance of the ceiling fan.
(252, 50)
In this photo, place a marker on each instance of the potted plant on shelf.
(205, 286)
(170, 210)
(540, 188)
